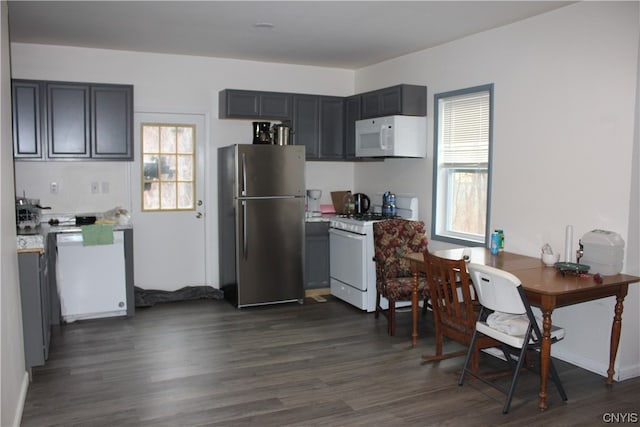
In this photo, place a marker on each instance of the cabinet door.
(390, 101)
(26, 103)
(275, 105)
(111, 122)
(370, 104)
(306, 123)
(316, 255)
(32, 314)
(331, 138)
(68, 127)
(351, 115)
(251, 104)
(238, 104)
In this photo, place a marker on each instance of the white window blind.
(465, 129)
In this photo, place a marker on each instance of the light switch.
(95, 188)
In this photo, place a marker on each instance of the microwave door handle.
(385, 136)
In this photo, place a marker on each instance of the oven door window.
(347, 258)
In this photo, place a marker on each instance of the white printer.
(603, 251)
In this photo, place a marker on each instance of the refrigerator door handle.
(245, 243)
(243, 190)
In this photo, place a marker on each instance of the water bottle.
(495, 243)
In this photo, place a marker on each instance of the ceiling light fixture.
(263, 25)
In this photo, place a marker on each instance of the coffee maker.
(262, 132)
(313, 203)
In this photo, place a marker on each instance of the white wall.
(166, 83)
(565, 97)
(13, 376)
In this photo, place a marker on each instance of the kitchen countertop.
(34, 240)
(322, 218)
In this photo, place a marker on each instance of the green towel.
(97, 235)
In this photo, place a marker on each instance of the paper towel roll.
(568, 244)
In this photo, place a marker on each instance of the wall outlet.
(105, 187)
(53, 187)
(95, 188)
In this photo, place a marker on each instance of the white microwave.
(392, 136)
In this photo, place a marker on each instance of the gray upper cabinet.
(248, 104)
(26, 104)
(68, 121)
(318, 124)
(112, 122)
(65, 120)
(352, 113)
(407, 100)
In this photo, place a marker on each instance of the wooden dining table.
(546, 288)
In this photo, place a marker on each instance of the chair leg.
(556, 380)
(377, 313)
(392, 317)
(516, 377)
(468, 358)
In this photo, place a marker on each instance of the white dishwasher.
(91, 279)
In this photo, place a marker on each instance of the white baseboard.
(17, 420)
(598, 367)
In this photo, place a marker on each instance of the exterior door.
(168, 206)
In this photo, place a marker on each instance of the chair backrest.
(450, 292)
(392, 239)
(497, 289)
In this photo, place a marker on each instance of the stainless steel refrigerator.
(261, 223)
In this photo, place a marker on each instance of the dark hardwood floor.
(319, 364)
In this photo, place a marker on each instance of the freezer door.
(270, 251)
(270, 170)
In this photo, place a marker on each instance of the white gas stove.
(353, 271)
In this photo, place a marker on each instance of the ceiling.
(340, 34)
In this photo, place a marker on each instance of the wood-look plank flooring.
(205, 363)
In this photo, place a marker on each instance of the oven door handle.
(347, 234)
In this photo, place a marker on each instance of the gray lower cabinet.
(316, 270)
(36, 307)
(318, 124)
(249, 104)
(66, 120)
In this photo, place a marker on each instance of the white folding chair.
(512, 323)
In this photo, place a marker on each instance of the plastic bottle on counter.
(495, 243)
(500, 239)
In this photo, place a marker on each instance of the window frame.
(438, 233)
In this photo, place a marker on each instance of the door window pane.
(168, 178)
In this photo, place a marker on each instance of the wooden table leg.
(616, 328)
(414, 307)
(545, 354)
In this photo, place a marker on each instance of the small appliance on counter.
(313, 203)
(602, 251)
(361, 203)
(281, 134)
(262, 132)
(28, 212)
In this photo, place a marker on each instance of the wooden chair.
(394, 280)
(455, 308)
(511, 323)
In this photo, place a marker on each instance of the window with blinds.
(463, 124)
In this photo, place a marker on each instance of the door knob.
(199, 202)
